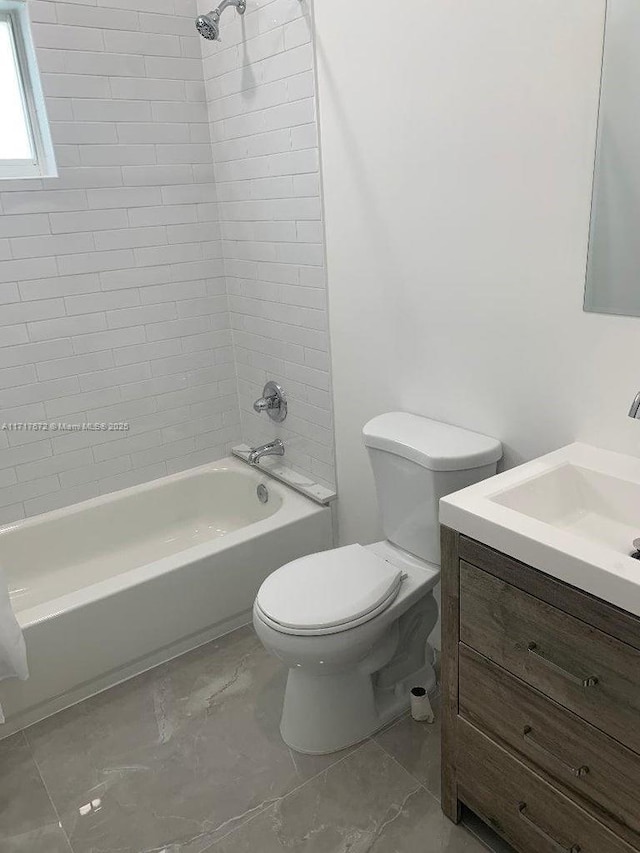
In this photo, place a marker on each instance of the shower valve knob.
(273, 402)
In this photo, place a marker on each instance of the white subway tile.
(82, 15)
(126, 445)
(117, 155)
(173, 67)
(11, 336)
(9, 292)
(297, 32)
(108, 300)
(13, 376)
(94, 472)
(51, 245)
(25, 312)
(78, 403)
(143, 89)
(25, 225)
(96, 262)
(132, 478)
(128, 238)
(136, 277)
(63, 37)
(26, 453)
(99, 199)
(74, 365)
(74, 86)
(145, 315)
(141, 43)
(49, 201)
(81, 133)
(58, 286)
(107, 340)
(66, 326)
(27, 491)
(155, 132)
(63, 497)
(147, 352)
(156, 387)
(174, 291)
(37, 392)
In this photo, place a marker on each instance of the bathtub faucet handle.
(273, 402)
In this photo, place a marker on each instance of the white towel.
(13, 653)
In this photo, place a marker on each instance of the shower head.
(209, 25)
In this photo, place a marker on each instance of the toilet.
(351, 624)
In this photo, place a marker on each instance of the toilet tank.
(416, 461)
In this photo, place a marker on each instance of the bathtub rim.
(293, 507)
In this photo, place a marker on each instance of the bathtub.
(110, 587)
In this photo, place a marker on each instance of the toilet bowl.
(351, 624)
(332, 699)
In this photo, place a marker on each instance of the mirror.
(613, 266)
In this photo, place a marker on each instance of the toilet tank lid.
(431, 444)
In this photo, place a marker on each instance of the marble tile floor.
(188, 759)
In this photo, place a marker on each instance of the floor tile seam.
(433, 797)
(289, 794)
(401, 765)
(48, 792)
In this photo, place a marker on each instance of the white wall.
(262, 107)
(457, 152)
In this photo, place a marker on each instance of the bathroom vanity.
(540, 676)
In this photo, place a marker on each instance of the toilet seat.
(328, 592)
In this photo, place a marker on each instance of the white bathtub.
(110, 587)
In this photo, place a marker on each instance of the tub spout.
(273, 448)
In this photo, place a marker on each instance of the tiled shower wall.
(113, 287)
(261, 92)
(113, 305)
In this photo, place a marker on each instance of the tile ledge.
(270, 466)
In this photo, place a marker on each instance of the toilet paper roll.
(421, 709)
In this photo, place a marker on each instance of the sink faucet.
(273, 448)
(634, 411)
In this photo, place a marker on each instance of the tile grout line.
(46, 788)
(357, 749)
(424, 787)
(433, 797)
(402, 767)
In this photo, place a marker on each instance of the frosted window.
(15, 136)
(26, 150)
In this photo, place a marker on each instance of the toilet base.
(333, 700)
(325, 715)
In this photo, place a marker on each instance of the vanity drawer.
(587, 763)
(528, 812)
(582, 668)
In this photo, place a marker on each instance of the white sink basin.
(572, 514)
(596, 506)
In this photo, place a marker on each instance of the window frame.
(42, 164)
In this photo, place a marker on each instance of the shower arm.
(241, 5)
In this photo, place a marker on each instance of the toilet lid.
(329, 589)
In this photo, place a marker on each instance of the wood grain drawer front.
(588, 764)
(582, 668)
(528, 812)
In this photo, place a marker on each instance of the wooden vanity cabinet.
(541, 705)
